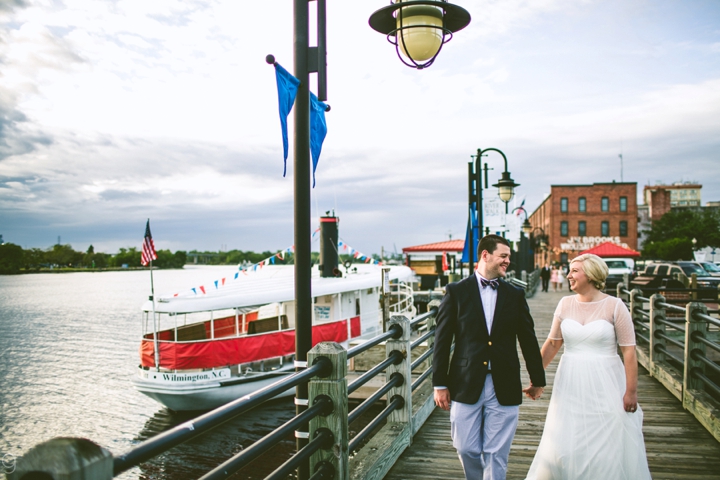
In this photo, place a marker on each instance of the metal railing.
(680, 347)
(329, 449)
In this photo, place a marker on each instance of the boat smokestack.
(328, 246)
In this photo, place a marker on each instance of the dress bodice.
(593, 338)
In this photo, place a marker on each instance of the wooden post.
(335, 387)
(65, 459)
(431, 322)
(694, 286)
(618, 291)
(693, 325)
(656, 313)
(402, 344)
(635, 303)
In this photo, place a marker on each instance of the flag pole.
(155, 328)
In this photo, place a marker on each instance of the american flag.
(148, 247)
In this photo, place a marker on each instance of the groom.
(485, 316)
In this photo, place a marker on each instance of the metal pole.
(155, 325)
(471, 200)
(479, 193)
(301, 166)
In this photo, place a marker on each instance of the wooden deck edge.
(670, 379)
(377, 457)
(705, 409)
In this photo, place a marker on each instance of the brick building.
(574, 218)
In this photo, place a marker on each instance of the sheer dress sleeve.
(624, 329)
(555, 332)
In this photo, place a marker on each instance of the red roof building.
(437, 247)
(433, 260)
(612, 250)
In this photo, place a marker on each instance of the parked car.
(711, 269)
(662, 275)
(617, 268)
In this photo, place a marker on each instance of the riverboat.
(206, 347)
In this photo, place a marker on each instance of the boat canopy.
(273, 283)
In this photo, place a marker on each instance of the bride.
(593, 428)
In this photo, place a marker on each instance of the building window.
(623, 228)
(605, 229)
(605, 204)
(563, 204)
(563, 229)
(582, 228)
(582, 204)
(623, 204)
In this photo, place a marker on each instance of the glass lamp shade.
(526, 227)
(506, 193)
(420, 31)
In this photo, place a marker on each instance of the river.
(69, 348)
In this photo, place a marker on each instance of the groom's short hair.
(490, 243)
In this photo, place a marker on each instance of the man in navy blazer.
(481, 384)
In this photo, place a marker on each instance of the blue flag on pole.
(472, 223)
(318, 129)
(287, 86)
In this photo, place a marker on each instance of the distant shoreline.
(91, 270)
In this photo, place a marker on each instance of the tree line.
(15, 259)
(671, 237)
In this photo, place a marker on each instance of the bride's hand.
(630, 402)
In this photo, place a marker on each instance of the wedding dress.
(588, 435)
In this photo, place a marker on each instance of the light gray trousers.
(482, 434)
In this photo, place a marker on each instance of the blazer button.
(489, 343)
(484, 363)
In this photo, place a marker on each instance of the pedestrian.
(593, 428)
(545, 277)
(481, 384)
(555, 277)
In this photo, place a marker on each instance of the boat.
(208, 346)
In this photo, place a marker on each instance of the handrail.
(421, 339)
(323, 439)
(395, 381)
(394, 358)
(393, 332)
(193, 428)
(395, 403)
(418, 361)
(246, 456)
(430, 313)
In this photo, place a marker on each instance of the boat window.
(357, 306)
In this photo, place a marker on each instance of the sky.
(113, 112)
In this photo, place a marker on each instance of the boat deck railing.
(329, 453)
(679, 345)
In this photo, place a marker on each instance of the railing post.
(431, 324)
(619, 291)
(693, 325)
(402, 344)
(65, 459)
(335, 387)
(634, 302)
(656, 313)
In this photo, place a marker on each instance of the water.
(69, 349)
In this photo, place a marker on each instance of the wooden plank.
(678, 446)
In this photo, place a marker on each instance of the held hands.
(442, 398)
(630, 402)
(533, 392)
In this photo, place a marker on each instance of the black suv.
(662, 275)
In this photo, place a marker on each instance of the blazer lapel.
(477, 301)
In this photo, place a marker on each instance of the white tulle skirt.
(588, 434)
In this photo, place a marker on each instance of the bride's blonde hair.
(595, 269)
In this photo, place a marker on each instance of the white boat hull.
(207, 395)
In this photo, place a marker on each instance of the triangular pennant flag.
(202, 288)
(216, 284)
(223, 281)
(318, 129)
(287, 86)
(236, 275)
(194, 291)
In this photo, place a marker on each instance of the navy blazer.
(461, 317)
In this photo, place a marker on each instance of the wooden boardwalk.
(678, 447)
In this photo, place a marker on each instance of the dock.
(678, 446)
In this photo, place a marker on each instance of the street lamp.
(539, 241)
(526, 229)
(506, 189)
(415, 24)
(419, 28)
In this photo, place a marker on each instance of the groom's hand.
(533, 392)
(442, 398)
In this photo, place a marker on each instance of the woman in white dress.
(593, 428)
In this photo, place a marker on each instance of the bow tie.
(492, 283)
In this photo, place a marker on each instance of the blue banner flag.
(318, 129)
(287, 86)
(472, 223)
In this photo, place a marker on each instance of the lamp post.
(506, 189)
(524, 261)
(419, 22)
(539, 242)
